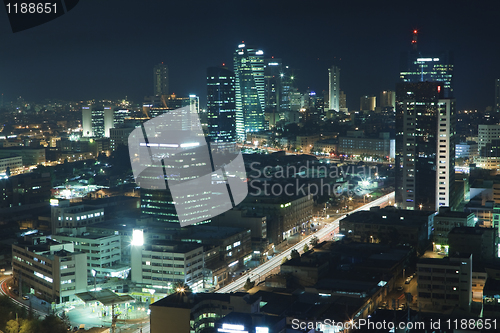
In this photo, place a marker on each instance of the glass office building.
(250, 101)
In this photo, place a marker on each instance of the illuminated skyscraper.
(334, 87)
(250, 97)
(273, 89)
(221, 105)
(160, 74)
(425, 146)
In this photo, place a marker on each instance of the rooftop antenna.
(414, 40)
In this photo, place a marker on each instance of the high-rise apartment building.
(417, 67)
(367, 103)
(160, 74)
(334, 87)
(273, 90)
(250, 97)
(343, 100)
(221, 105)
(388, 98)
(425, 146)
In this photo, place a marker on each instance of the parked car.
(26, 297)
(400, 288)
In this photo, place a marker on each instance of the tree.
(285, 259)
(314, 241)
(306, 248)
(12, 326)
(294, 254)
(52, 324)
(249, 285)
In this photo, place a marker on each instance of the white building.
(162, 264)
(13, 163)
(103, 252)
(334, 87)
(50, 270)
(65, 217)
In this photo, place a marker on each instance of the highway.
(4, 291)
(322, 234)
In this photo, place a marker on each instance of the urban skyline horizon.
(71, 58)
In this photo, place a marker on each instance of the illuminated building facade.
(52, 271)
(221, 105)
(425, 146)
(416, 67)
(334, 87)
(250, 97)
(98, 120)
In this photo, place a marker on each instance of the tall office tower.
(97, 120)
(221, 105)
(497, 95)
(418, 67)
(367, 103)
(488, 136)
(160, 74)
(425, 146)
(388, 98)
(343, 100)
(334, 87)
(249, 84)
(273, 76)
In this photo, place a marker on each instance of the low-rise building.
(66, 217)
(53, 271)
(480, 242)
(13, 163)
(285, 215)
(444, 222)
(389, 226)
(445, 282)
(25, 189)
(164, 263)
(189, 312)
(362, 146)
(103, 252)
(29, 155)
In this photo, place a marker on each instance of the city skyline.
(70, 58)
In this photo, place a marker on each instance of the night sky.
(107, 48)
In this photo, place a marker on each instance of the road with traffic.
(325, 233)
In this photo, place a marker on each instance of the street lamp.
(94, 274)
